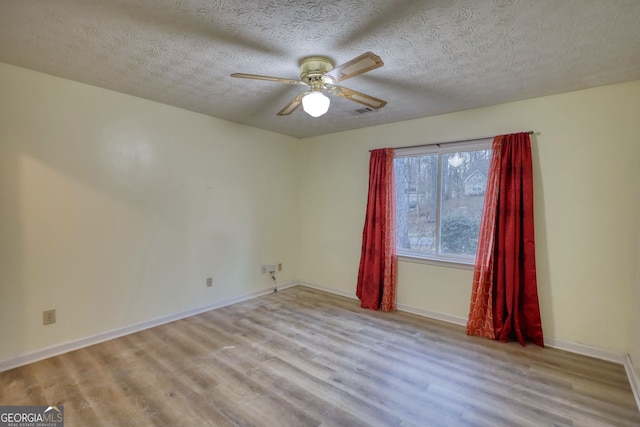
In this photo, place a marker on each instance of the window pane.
(464, 182)
(439, 199)
(416, 195)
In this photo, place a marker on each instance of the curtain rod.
(530, 132)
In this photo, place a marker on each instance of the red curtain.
(378, 262)
(504, 300)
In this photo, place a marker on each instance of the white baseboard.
(281, 287)
(108, 335)
(634, 379)
(456, 320)
(586, 350)
(401, 307)
(340, 292)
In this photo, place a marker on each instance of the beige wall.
(634, 336)
(585, 161)
(114, 210)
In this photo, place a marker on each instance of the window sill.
(439, 262)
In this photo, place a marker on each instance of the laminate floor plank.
(303, 357)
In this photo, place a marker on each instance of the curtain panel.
(504, 299)
(376, 287)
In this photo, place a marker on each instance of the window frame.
(458, 261)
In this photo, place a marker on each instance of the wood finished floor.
(302, 357)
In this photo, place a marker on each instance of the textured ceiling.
(440, 55)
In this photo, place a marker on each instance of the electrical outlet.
(49, 317)
(272, 268)
(279, 266)
(209, 282)
(263, 269)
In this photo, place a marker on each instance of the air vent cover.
(365, 110)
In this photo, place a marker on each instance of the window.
(439, 199)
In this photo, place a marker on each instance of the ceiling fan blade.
(267, 78)
(290, 108)
(366, 62)
(359, 97)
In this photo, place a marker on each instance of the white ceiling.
(440, 55)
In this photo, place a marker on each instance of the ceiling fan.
(319, 73)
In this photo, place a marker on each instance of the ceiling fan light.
(315, 104)
(456, 161)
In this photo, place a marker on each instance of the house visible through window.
(439, 199)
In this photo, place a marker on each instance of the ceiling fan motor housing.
(312, 70)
